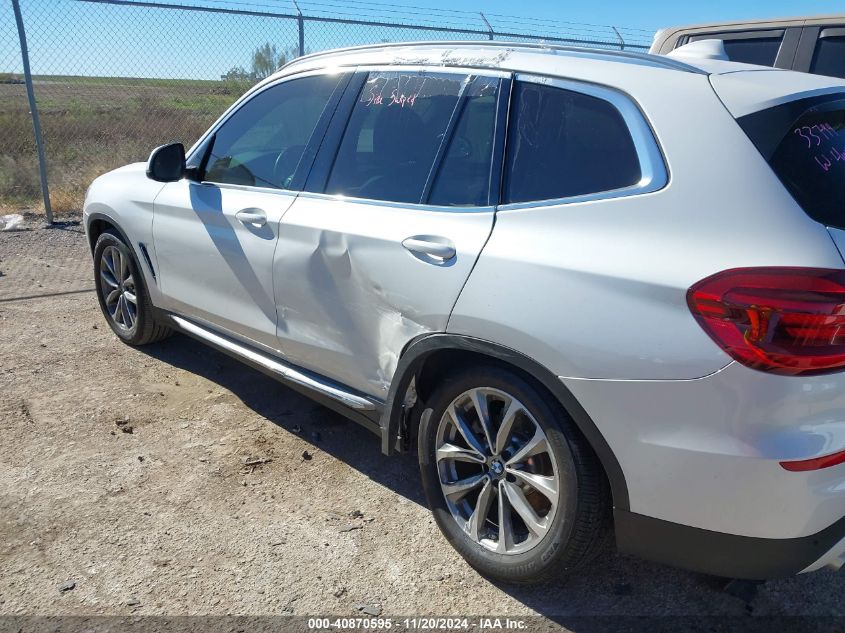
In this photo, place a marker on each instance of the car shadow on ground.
(613, 585)
(291, 411)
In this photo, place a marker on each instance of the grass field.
(94, 124)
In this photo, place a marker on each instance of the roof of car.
(514, 56)
(750, 87)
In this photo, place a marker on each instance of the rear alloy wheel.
(502, 488)
(510, 481)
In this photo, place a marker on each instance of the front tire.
(511, 483)
(122, 294)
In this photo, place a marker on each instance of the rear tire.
(122, 293)
(553, 525)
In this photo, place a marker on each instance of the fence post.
(621, 41)
(33, 110)
(301, 24)
(490, 32)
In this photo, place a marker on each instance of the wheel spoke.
(545, 485)
(505, 524)
(464, 430)
(482, 508)
(108, 278)
(133, 310)
(482, 409)
(130, 297)
(459, 489)
(118, 311)
(118, 265)
(108, 260)
(127, 316)
(504, 433)
(536, 445)
(112, 296)
(459, 454)
(522, 507)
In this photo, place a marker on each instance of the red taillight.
(817, 463)
(781, 320)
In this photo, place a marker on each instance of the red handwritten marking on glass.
(374, 98)
(402, 99)
(824, 163)
(402, 93)
(395, 98)
(814, 136)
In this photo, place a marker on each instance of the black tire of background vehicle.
(146, 329)
(582, 527)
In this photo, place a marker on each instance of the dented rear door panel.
(350, 296)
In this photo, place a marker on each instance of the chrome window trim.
(252, 188)
(397, 205)
(654, 173)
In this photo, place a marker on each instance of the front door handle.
(256, 217)
(442, 250)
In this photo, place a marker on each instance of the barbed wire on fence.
(114, 78)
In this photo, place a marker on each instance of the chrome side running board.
(273, 365)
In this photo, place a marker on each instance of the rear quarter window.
(563, 144)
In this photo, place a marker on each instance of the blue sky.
(649, 14)
(81, 38)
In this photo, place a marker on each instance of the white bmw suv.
(598, 292)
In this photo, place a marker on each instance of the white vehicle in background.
(809, 44)
(594, 290)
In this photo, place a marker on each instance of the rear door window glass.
(393, 135)
(463, 177)
(262, 142)
(829, 58)
(762, 51)
(810, 160)
(563, 144)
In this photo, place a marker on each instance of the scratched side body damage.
(351, 297)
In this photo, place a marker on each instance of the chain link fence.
(114, 78)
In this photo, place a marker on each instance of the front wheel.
(121, 292)
(512, 484)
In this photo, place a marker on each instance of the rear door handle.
(256, 217)
(444, 250)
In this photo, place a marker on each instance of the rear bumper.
(707, 453)
(701, 461)
(728, 555)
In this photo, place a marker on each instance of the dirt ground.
(173, 480)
